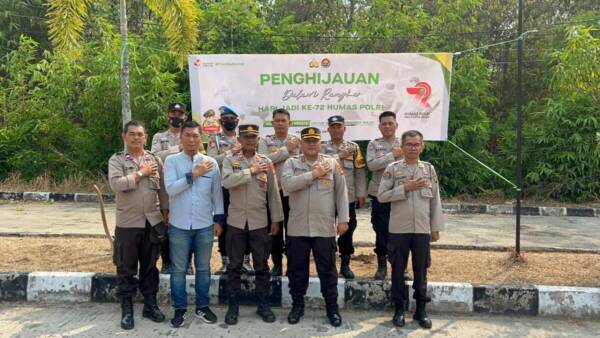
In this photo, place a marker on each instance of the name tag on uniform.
(262, 177)
(164, 143)
(324, 184)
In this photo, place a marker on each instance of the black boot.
(333, 314)
(381, 267)
(277, 270)
(233, 311)
(295, 314)
(151, 310)
(126, 313)
(398, 319)
(421, 316)
(345, 267)
(264, 310)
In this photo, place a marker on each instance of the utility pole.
(125, 105)
(519, 130)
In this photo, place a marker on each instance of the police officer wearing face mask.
(167, 142)
(220, 146)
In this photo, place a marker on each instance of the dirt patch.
(93, 254)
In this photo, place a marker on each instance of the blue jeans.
(200, 242)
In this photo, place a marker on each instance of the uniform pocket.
(154, 182)
(324, 184)
(427, 193)
(348, 164)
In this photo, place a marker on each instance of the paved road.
(101, 320)
(464, 229)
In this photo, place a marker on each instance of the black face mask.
(229, 125)
(176, 122)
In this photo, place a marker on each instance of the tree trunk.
(125, 106)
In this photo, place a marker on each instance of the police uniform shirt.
(379, 155)
(249, 194)
(418, 211)
(141, 201)
(354, 167)
(313, 202)
(220, 145)
(164, 144)
(275, 149)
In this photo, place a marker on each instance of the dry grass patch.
(487, 267)
(75, 183)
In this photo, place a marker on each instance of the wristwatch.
(139, 174)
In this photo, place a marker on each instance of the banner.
(313, 87)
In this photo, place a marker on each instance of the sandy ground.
(101, 320)
(93, 254)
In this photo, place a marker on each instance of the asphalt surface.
(461, 229)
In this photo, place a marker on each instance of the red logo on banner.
(422, 92)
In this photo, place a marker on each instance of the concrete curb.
(450, 208)
(362, 294)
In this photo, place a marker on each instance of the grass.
(468, 266)
(75, 183)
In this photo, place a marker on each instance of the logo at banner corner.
(325, 63)
(197, 62)
(313, 63)
(421, 92)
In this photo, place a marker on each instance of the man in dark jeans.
(193, 182)
(136, 177)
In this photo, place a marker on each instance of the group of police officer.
(282, 194)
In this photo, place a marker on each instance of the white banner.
(313, 87)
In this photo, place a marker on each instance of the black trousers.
(164, 253)
(323, 249)
(345, 242)
(223, 237)
(380, 219)
(399, 246)
(133, 246)
(258, 242)
(279, 244)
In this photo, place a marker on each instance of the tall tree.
(67, 20)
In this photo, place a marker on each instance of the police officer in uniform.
(164, 144)
(351, 159)
(251, 180)
(219, 146)
(380, 153)
(317, 190)
(279, 147)
(416, 220)
(135, 176)
(167, 142)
